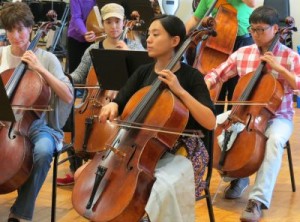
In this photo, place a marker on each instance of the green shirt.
(243, 13)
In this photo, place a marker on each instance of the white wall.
(185, 10)
(294, 8)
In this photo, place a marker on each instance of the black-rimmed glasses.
(259, 31)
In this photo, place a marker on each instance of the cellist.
(284, 64)
(113, 20)
(175, 182)
(45, 133)
(244, 9)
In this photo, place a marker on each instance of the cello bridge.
(117, 151)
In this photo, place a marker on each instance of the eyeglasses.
(259, 31)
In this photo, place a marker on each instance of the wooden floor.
(285, 204)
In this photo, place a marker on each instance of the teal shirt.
(243, 13)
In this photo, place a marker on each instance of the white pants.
(172, 196)
(278, 132)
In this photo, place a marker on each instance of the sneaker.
(145, 218)
(14, 218)
(236, 188)
(67, 180)
(252, 213)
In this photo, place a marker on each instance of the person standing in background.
(79, 38)
(244, 9)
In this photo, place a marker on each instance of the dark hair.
(16, 13)
(264, 14)
(174, 27)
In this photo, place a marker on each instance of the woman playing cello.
(284, 64)
(113, 16)
(175, 184)
(44, 133)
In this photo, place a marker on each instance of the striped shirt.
(247, 59)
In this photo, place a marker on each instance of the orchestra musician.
(284, 64)
(113, 20)
(175, 182)
(244, 9)
(45, 133)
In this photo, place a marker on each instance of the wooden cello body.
(128, 164)
(246, 154)
(16, 154)
(25, 89)
(216, 50)
(94, 23)
(92, 137)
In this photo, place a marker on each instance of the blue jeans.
(278, 132)
(43, 150)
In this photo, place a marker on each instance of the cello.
(126, 168)
(247, 123)
(24, 88)
(87, 139)
(94, 23)
(216, 50)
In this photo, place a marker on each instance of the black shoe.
(252, 213)
(236, 188)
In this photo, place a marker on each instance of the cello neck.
(59, 32)
(124, 33)
(258, 71)
(21, 68)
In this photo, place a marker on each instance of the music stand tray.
(114, 67)
(6, 112)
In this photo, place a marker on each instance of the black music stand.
(6, 112)
(114, 67)
(142, 6)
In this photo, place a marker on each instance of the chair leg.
(209, 205)
(217, 190)
(288, 149)
(54, 186)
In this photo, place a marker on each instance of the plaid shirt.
(247, 59)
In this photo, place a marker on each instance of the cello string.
(245, 103)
